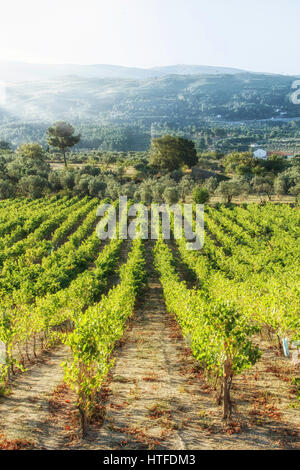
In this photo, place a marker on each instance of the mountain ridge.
(13, 71)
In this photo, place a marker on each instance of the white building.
(260, 153)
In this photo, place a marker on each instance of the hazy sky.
(259, 35)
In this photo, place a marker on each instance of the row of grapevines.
(28, 222)
(272, 300)
(23, 325)
(23, 249)
(57, 269)
(218, 333)
(282, 216)
(44, 231)
(259, 255)
(27, 325)
(6, 203)
(270, 231)
(278, 253)
(11, 205)
(17, 216)
(97, 330)
(42, 248)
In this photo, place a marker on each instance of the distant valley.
(177, 98)
(104, 95)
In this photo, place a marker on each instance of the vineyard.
(146, 344)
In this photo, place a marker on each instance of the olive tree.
(171, 195)
(231, 188)
(32, 151)
(33, 186)
(263, 185)
(7, 189)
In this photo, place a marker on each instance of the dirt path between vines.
(155, 396)
(23, 413)
(146, 394)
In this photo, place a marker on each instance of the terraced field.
(145, 344)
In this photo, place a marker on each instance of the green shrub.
(200, 195)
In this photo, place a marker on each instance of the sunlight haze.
(142, 33)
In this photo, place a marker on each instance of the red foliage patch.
(233, 428)
(15, 444)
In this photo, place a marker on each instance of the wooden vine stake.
(227, 380)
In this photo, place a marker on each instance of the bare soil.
(24, 412)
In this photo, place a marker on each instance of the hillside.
(179, 99)
(18, 71)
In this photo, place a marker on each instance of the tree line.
(163, 174)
